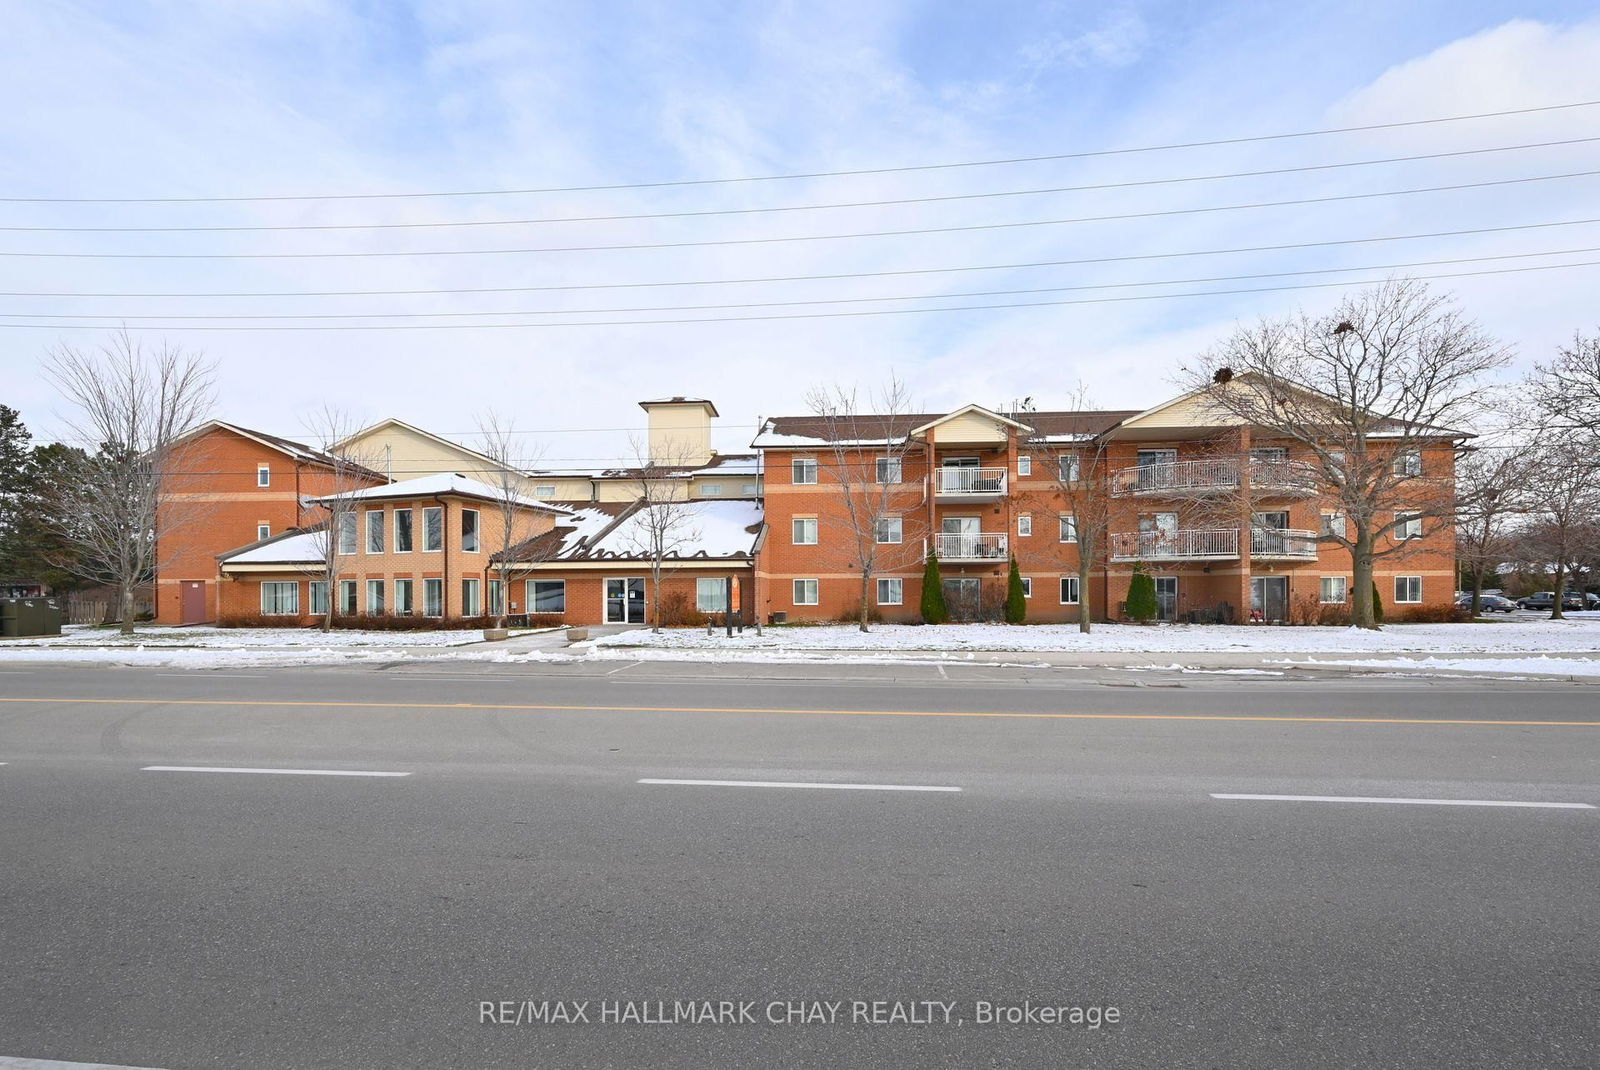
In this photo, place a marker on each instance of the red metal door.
(194, 601)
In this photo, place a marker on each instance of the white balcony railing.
(975, 547)
(1283, 542)
(1218, 544)
(969, 482)
(1283, 475)
(1213, 475)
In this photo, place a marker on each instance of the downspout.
(444, 547)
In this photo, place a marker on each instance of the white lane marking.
(621, 667)
(942, 674)
(797, 784)
(1407, 802)
(202, 674)
(12, 1062)
(240, 769)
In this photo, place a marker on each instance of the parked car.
(1489, 603)
(1546, 600)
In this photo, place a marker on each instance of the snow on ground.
(1501, 637)
(1426, 666)
(242, 638)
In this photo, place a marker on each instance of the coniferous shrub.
(934, 610)
(1142, 605)
(1016, 603)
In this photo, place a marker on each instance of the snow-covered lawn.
(1510, 637)
(242, 638)
(1540, 664)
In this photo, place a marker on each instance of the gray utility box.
(30, 616)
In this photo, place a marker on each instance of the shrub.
(852, 615)
(256, 620)
(1142, 605)
(934, 610)
(1016, 603)
(544, 620)
(678, 611)
(1450, 614)
(1377, 604)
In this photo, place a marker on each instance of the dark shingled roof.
(878, 427)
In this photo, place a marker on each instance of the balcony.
(969, 484)
(1212, 544)
(975, 547)
(1286, 544)
(1213, 475)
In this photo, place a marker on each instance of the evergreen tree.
(1142, 605)
(1377, 605)
(1016, 604)
(14, 452)
(934, 610)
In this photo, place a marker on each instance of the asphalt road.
(185, 919)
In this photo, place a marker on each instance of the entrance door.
(1158, 533)
(1266, 533)
(1155, 468)
(193, 608)
(963, 597)
(1166, 597)
(1269, 596)
(625, 600)
(961, 541)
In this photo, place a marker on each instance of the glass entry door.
(1269, 596)
(963, 598)
(1166, 597)
(625, 600)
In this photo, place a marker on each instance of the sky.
(312, 98)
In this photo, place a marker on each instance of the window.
(1027, 586)
(433, 598)
(890, 529)
(711, 490)
(374, 596)
(804, 530)
(748, 490)
(1025, 465)
(1407, 526)
(375, 531)
(1067, 467)
(263, 475)
(1069, 528)
(402, 531)
(1334, 523)
(263, 531)
(347, 534)
(280, 599)
(711, 594)
(891, 591)
(1025, 525)
(1408, 463)
(469, 533)
(496, 593)
(805, 592)
(405, 597)
(470, 606)
(804, 470)
(1408, 589)
(889, 470)
(433, 528)
(547, 596)
(1069, 590)
(1335, 589)
(319, 597)
(544, 490)
(347, 598)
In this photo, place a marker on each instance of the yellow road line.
(552, 708)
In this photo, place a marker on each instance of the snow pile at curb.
(1540, 665)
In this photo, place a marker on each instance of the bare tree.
(136, 404)
(1565, 501)
(664, 522)
(865, 460)
(1491, 493)
(1368, 391)
(1566, 391)
(497, 440)
(350, 470)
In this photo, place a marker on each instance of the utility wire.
(1089, 154)
(445, 224)
(803, 315)
(827, 277)
(809, 237)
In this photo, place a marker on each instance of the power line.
(1089, 154)
(808, 237)
(1131, 184)
(800, 315)
(806, 302)
(833, 276)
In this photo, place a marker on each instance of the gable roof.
(429, 435)
(803, 432)
(726, 528)
(297, 450)
(444, 483)
(291, 547)
(965, 410)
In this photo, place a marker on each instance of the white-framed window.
(402, 531)
(1334, 523)
(347, 534)
(496, 595)
(1407, 589)
(318, 590)
(547, 596)
(1067, 467)
(803, 529)
(1027, 586)
(803, 470)
(711, 490)
(433, 598)
(375, 531)
(469, 534)
(263, 475)
(1069, 528)
(890, 529)
(432, 528)
(1024, 464)
(1025, 525)
(1407, 526)
(347, 598)
(711, 594)
(263, 531)
(891, 591)
(747, 489)
(280, 598)
(1408, 463)
(405, 596)
(806, 592)
(544, 490)
(890, 469)
(1069, 590)
(1335, 590)
(470, 591)
(375, 596)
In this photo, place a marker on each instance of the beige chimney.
(680, 430)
